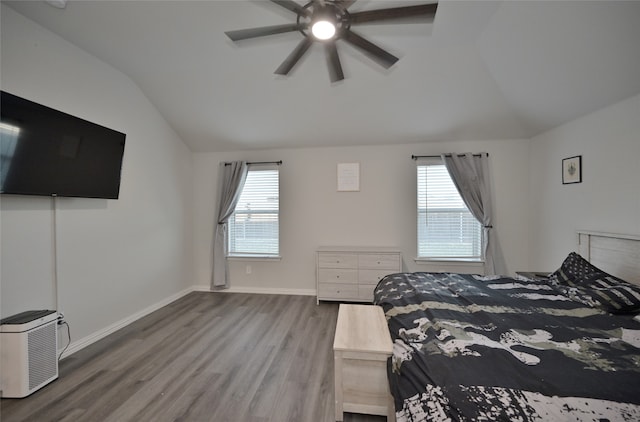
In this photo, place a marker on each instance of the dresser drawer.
(338, 291)
(365, 292)
(351, 273)
(373, 276)
(331, 275)
(386, 261)
(337, 260)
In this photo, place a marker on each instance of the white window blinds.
(254, 226)
(446, 228)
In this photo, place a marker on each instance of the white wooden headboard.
(617, 254)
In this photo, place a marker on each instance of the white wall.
(115, 257)
(383, 213)
(608, 199)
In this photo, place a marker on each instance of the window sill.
(451, 265)
(456, 261)
(254, 257)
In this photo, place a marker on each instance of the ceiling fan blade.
(293, 58)
(425, 12)
(243, 34)
(333, 61)
(293, 6)
(383, 57)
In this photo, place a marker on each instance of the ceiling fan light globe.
(323, 30)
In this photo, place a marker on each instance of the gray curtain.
(232, 178)
(470, 175)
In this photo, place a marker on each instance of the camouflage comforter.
(471, 348)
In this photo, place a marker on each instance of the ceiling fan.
(328, 21)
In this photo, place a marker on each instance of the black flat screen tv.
(48, 152)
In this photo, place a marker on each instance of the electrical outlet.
(248, 269)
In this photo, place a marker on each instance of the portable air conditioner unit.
(28, 352)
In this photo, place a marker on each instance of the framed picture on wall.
(572, 170)
(348, 177)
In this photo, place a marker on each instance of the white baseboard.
(259, 290)
(92, 338)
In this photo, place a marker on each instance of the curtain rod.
(415, 157)
(258, 162)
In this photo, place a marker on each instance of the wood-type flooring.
(205, 357)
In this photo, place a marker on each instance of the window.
(446, 228)
(254, 226)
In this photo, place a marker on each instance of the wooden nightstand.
(535, 275)
(361, 347)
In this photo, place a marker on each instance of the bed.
(474, 348)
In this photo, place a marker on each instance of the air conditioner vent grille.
(43, 360)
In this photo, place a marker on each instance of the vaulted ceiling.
(481, 70)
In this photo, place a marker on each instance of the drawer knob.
(337, 276)
(378, 262)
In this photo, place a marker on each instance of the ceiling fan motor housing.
(328, 11)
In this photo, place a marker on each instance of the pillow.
(581, 281)
(573, 270)
(612, 294)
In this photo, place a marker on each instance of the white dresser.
(350, 274)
